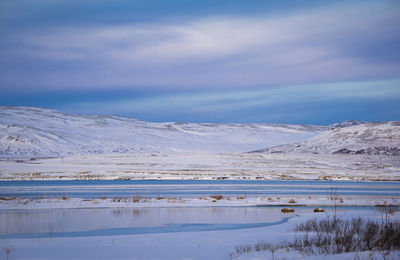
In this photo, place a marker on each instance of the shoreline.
(206, 201)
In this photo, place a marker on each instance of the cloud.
(291, 103)
(319, 45)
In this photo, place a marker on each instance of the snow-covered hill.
(29, 131)
(347, 123)
(365, 138)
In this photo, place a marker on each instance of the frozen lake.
(131, 221)
(56, 228)
(192, 188)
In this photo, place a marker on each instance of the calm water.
(192, 188)
(92, 222)
(124, 221)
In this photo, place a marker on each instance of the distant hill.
(37, 132)
(361, 138)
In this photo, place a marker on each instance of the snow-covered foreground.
(205, 166)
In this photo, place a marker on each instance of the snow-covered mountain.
(365, 138)
(29, 131)
(347, 123)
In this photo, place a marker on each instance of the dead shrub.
(336, 236)
(136, 199)
(287, 210)
(333, 235)
(217, 197)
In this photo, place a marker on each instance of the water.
(95, 222)
(128, 221)
(192, 188)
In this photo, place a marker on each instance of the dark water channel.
(192, 188)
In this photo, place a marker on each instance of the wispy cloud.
(204, 61)
(340, 43)
(292, 103)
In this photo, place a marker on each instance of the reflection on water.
(112, 221)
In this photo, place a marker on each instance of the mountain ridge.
(32, 131)
(379, 138)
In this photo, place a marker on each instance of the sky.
(226, 61)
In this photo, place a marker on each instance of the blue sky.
(204, 61)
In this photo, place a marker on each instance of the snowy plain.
(206, 166)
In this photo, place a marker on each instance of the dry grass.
(7, 198)
(333, 235)
(136, 199)
(175, 200)
(217, 197)
(287, 210)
